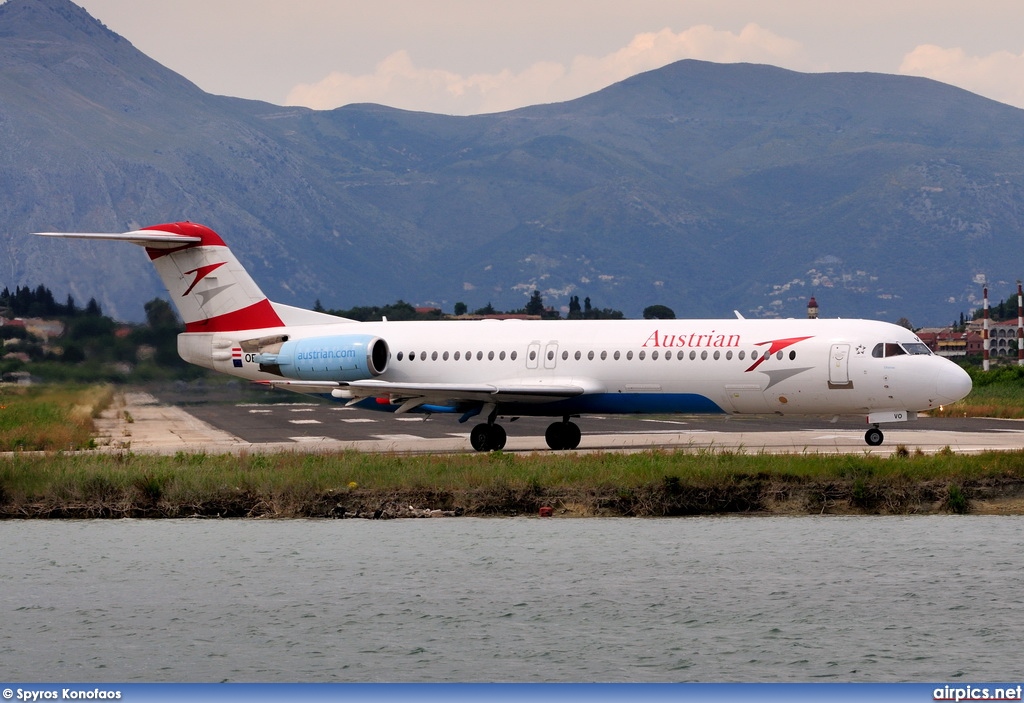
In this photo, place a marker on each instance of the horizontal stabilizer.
(154, 239)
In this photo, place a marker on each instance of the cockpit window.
(887, 349)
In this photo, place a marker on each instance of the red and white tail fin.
(208, 285)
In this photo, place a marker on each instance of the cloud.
(999, 76)
(398, 82)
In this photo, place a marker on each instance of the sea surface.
(761, 599)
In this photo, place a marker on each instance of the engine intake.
(345, 357)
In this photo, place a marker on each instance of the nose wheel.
(874, 436)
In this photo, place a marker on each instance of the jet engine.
(345, 357)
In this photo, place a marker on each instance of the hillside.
(700, 186)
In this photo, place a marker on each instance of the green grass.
(996, 393)
(50, 417)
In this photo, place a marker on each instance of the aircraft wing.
(412, 395)
(483, 392)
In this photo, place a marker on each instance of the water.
(703, 599)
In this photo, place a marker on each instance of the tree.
(460, 309)
(659, 312)
(536, 304)
(160, 314)
(574, 308)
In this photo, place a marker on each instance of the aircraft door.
(839, 367)
(532, 354)
(551, 355)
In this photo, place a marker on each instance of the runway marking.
(357, 419)
(410, 419)
(397, 437)
(667, 422)
(305, 422)
(309, 439)
(302, 410)
(254, 411)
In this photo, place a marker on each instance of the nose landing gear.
(874, 436)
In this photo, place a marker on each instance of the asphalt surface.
(280, 421)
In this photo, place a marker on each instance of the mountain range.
(705, 187)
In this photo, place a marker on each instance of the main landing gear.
(488, 437)
(874, 436)
(491, 437)
(563, 435)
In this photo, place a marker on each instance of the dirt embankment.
(750, 495)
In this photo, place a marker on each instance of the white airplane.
(563, 369)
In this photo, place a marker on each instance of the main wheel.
(498, 437)
(480, 438)
(572, 435)
(874, 437)
(488, 438)
(562, 435)
(554, 436)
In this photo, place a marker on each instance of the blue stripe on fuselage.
(606, 403)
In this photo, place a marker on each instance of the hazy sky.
(467, 57)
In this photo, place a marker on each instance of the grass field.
(996, 393)
(48, 417)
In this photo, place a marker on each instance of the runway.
(140, 422)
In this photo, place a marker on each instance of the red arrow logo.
(777, 345)
(201, 273)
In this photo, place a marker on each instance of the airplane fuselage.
(633, 366)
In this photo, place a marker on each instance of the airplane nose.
(952, 384)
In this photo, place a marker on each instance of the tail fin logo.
(201, 273)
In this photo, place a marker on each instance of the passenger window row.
(642, 355)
